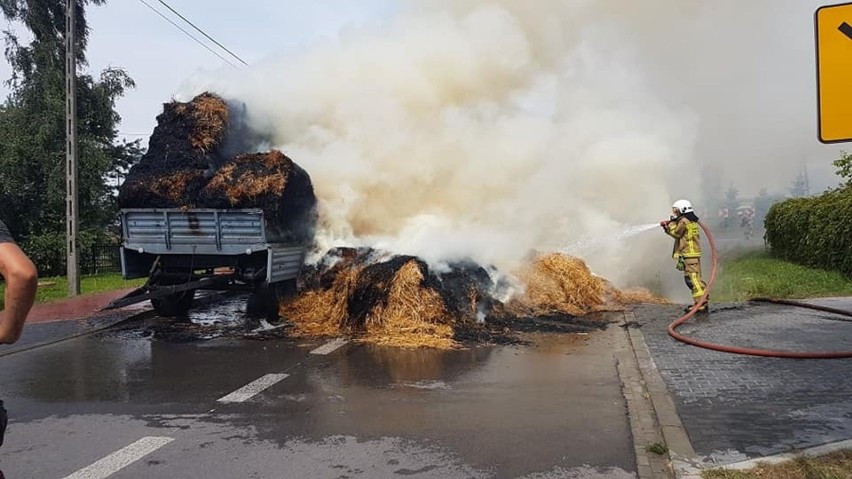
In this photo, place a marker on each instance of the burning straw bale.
(324, 273)
(411, 314)
(175, 190)
(395, 301)
(171, 173)
(557, 283)
(270, 181)
(186, 132)
(322, 311)
(210, 121)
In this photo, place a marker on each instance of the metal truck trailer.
(181, 251)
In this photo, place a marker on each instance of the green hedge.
(813, 231)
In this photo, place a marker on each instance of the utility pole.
(72, 208)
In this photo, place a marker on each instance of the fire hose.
(750, 351)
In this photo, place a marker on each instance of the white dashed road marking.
(121, 458)
(330, 346)
(253, 388)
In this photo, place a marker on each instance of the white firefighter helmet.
(683, 206)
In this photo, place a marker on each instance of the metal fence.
(95, 259)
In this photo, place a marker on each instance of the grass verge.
(837, 465)
(757, 274)
(51, 289)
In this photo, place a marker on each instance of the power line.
(202, 32)
(188, 34)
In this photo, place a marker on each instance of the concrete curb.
(644, 426)
(684, 460)
(788, 456)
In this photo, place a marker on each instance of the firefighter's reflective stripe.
(692, 278)
(687, 238)
(694, 283)
(692, 246)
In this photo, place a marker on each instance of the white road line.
(121, 458)
(255, 387)
(330, 346)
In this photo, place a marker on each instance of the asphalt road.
(137, 406)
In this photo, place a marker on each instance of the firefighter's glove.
(664, 224)
(681, 264)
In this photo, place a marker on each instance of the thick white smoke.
(490, 129)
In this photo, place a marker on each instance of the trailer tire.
(176, 304)
(266, 300)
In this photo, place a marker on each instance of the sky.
(492, 128)
(159, 57)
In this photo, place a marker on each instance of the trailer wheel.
(266, 300)
(174, 304)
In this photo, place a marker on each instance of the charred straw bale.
(412, 314)
(323, 274)
(451, 297)
(270, 181)
(391, 302)
(171, 172)
(466, 290)
(177, 189)
(395, 301)
(372, 289)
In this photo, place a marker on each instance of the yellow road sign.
(834, 72)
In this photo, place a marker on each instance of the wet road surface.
(231, 407)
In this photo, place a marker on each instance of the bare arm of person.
(21, 285)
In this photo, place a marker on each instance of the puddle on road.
(426, 385)
(228, 312)
(223, 317)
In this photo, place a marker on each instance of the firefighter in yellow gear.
(683, 227)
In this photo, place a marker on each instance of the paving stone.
(733, 405)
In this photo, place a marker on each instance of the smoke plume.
(489, 129)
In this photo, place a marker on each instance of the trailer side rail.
(196, 231)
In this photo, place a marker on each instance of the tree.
(800, 188)
(844, 167)
(32, 129)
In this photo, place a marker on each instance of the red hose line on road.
(749, 351)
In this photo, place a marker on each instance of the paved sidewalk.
(736, 407)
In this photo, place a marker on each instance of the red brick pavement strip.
(79, 307)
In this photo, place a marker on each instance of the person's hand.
(664, 224)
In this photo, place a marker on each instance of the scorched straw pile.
(400, 301)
